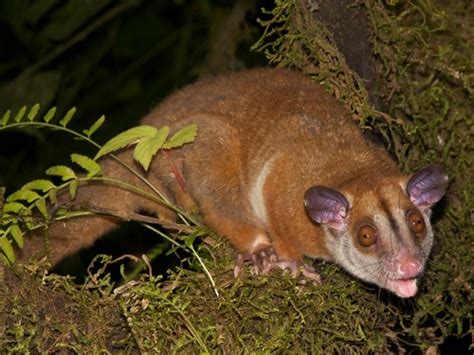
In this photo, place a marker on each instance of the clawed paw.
(298, 268)
(261, 260)
(265, 260)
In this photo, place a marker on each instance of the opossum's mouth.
(402, 287)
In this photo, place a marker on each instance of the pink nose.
(409, 268)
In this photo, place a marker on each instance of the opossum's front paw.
(298, 268)
(265, 260)
(261, 260)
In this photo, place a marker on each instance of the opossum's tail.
(67, 237)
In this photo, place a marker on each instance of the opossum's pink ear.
(427, 186)
(326, 206)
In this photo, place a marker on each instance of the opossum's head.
(381, 233)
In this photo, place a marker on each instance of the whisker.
(368, 265)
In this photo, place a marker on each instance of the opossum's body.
(279, 168)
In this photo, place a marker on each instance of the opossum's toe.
(265, 260)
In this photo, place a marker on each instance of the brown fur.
(245, 119)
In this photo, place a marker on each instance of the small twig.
(206, 270)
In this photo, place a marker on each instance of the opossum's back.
(259, 97)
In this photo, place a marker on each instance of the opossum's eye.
(416, 222)
(366, 235)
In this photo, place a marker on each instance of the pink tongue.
(404, 288)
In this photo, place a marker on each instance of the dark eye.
(416, 222)
(366, 235)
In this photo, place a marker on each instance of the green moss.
(425, 57)
(254, 314)
(46, 313)
(292, 38)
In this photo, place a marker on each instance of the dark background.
(117, 58)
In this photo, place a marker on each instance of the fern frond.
(6, 117)
(129, 137)
(147, 147)
(41, 184)
(67, 117)
(23, 195)
(20, 114)
(33, 112)
(14, 207)
(32, 198)
(7, 249)
(185, 135)
(88, 164)
(50, 114)
(17, 234)
(63, 171)
(97, 124)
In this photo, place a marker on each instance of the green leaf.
(17, 235)
(65, 172)
(4, 259)
(190, 240)
(73, 188)
(87, 164)
(33, 112)
(40, 184)
(130, 136)
(123, 273)
(68, 117)
(14, 207)
(149, 146)
(26, 195)
(41, 205)
(50, 114)
(7, 249)
(52, 195)
(183, 136)
(62, 212)
(6, 117)
(20, 114)
(94, 127)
